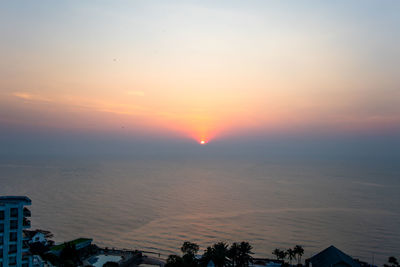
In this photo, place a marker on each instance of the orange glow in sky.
(198, 71)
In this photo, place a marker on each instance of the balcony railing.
(27, 212)
(26, 223)
(25, 246)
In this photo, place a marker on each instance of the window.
(14, 212)
(13, 224)
(1, 227)
(1, 214)
(13, 237)
(1, 242)
(12, 249)
(12, 260)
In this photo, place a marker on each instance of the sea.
(155, 203)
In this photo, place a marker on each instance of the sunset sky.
(199, 70)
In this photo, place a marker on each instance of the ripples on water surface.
(159, 203)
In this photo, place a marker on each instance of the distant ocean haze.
(157, 203)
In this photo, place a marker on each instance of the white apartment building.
(14, 249)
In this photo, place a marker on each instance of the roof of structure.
(332, 256)
(15, 199)
(75, 242)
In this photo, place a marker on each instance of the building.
(332, 257)
(80, 244)
(14, 250)
(37, 236)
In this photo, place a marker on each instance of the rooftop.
(75, 242)
(15, 199)
(332, 256)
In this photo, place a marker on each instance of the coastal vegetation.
(219, 254)
(392, 262)
(292, 253)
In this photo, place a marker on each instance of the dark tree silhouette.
(276, 252)
(245, 252)
(69, 255)
(189, 251)
(110, 264)
(218, 253)
(298, 251)
(189, 248)
(207, 256)
(279, 254)
(174, 261)
(290, 254)
(392, 262)
(233, 253)
(188, 259)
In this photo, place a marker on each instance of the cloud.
(135, 93)
(22, 95)
(28, 96)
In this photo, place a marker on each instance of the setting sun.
(202, 142)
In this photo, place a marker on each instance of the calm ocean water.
(157, 203)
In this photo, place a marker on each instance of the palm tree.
(220, 253)
(279, 254)
(290, 254)
(276, 252)
(233, 253)
(245, 254)
(282, 255)
(299, 251)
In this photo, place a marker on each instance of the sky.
(179, 72)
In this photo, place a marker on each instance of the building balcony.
(26, 223)
(27, 212)
(25, 237)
